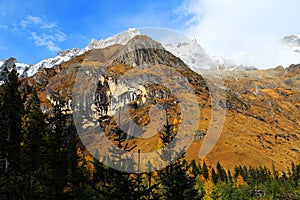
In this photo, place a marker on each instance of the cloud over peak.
(246, 31)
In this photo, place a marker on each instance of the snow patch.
(121, 38)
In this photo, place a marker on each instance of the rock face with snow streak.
(121, 38)
(9, 64)
(62, 56)
(26, 70)
(192, 54)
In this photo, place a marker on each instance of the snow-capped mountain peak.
(62, 56)
(121, 38)
(197, 58)
(10, 63)
(191, 53)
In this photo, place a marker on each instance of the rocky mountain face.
(262, 119)
(9, 64)
(141, 51)
(26, 70)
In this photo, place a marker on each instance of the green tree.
(295, 176)
(175, 181)
(204, 171)
(60, 156)
(11, 110)
(119, 182)
(221, 173)
(214, 176)
(33, 131)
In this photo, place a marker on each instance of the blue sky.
(247, 31)
(33, 30)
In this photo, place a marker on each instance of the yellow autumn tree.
(208, 189)
(240, 181)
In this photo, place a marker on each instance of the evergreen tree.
(214, 176)
(11, 109)
(195, 169)
(204, 171)
(295, 176)
(60, 153)
(177, 184)
(221, 173)
(144, 189)
(120, 185)
(33, 131)
(230, 180)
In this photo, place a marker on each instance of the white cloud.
(50, 25)
(246, 31)
(43, 33)
(44, 40)
(60, 36)
(30, 20)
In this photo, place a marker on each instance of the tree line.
(41, 157)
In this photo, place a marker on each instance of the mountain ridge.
(191, 53)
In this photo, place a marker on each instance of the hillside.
(262, 119)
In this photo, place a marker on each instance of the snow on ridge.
(189, 52)
(61, 57)
(26, 70)
(192, 54)
(121, 38)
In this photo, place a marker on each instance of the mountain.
(26, 70)
(260, 108)
(292, 42)
(121, 38)
(9, 64)
(198, 59)
(190, 52)
(62, 56)
(260, 125)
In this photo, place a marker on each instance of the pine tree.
(11, 109)
(177, 184)
(221, 173)
(60, 153)
(120, 185)
(195, 169)
(214, 176)
(230, 180)
(295, 176)
(33, 131)
(144, 188)
(205, 171)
